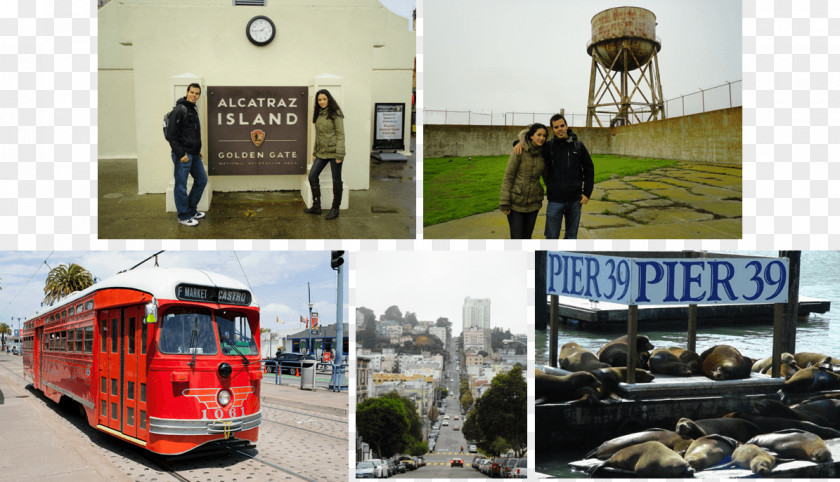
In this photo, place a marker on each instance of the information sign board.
(390, 126)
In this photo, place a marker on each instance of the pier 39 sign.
(257, 130)
(663, 281)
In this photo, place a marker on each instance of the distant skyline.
(484, 55)
(277, 278)
(434, 284)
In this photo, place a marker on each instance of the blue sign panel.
(662, 281)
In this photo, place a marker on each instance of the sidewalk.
(385, 211)
(688, 201)
(36, 443)
(319, 400)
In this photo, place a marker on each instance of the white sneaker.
(188, 222)
(200, 215)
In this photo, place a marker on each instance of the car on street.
(289, 362)
(496, 467)
(445, 423)
(365, 470)
(14, 350)
(398, 467)
(408, 462)
(381, 470)
(457, 428)
(473, 448)
(520, 470)
(508, 466)
(457, 461)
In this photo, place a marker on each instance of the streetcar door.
(133, 371)
(110, 324)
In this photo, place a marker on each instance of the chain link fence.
(718, 97)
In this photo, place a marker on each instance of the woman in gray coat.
(522, 194)
(329, 149)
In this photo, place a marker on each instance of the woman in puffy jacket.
(329, 149)
(522, 193)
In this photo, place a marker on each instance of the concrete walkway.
(385, 211)
(688, 201)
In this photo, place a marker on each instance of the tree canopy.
(393, 313)
(499, 418)
(63, 280)
(382, 423)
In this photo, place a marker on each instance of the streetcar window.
(71, 311)
(130, 390)
(143, 392)
(143, 338)
(88, 339)
(63, 345)
(52, 341)
(103, 335)
(234, 331)
(80, 340)
(103, 385)
(79, 308)
(143, 419)
(188, 330)
(70, 340)
(131, 337)
(64, 314)
(89, 305)
(115, 338)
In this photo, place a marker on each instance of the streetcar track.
(305, 429)
(302, 413)
(274, 466)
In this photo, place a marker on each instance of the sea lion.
(812, 379)
(612, 376)
(690, 358)
(785, 371)
(669, 438)
(807, 359)
(753, 457)
(575, 358)
(708, 451)
(794, 443)
(663, 361)
(822, 412)
(737, 428)
(774, 424)
(724, 362)
(578, 387)
(787, 360)
(649, 459)
(615, 352)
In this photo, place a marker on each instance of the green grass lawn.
(459, 188)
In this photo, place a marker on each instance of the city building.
(477, 339)
(476, 313)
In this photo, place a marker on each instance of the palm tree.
(64, 280)
(4, 330)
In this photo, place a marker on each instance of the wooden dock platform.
(602, 315)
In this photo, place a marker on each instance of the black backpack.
(169, 120)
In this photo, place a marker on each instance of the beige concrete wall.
(357, 40)
(709, 137)
(116, 127)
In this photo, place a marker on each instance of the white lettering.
(258, 120)
(222, 103)
(292, 102)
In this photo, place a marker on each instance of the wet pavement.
(385, 211)
(688, 201)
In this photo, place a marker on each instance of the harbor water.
(819, 278)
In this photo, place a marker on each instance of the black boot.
(316, 202)
(337, 192)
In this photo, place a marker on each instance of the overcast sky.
(434, 284)
(278, 279)
(500, 55)
(403, 8)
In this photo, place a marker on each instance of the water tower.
(624, 86)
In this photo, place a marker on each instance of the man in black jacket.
(184, 135)
(569, 178)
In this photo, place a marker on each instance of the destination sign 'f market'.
(663, 281)
(257, 130)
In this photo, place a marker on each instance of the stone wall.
(708, 137)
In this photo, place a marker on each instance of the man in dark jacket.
(569, 178)
(184, 135)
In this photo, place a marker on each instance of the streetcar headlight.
(225, 369)
(224, 398)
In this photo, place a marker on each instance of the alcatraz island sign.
(257, 130)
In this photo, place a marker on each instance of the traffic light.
(336, 259)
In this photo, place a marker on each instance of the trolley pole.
(338, 380)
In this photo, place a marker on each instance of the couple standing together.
(567, 171)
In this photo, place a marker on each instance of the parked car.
(456, 461)
(399, 468)
(365, 470)
(381, 470)
(14, 350)
(473, 448)
(496, 468)
(289, 362)
(408, 462)
(508, 466)
(520, 470)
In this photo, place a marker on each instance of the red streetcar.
(167, 359)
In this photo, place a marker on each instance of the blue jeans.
(554, 215)
(319, 166)
(187, 204)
